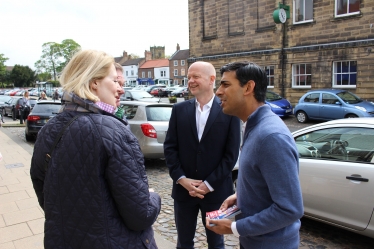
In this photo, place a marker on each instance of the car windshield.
(4, 98)
(46, 108)
(141, 95)
(349, 97)
(158, 113)
(270, 96)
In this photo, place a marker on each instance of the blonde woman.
(94, 189)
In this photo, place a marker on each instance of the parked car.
(7, 108)
(2, 91)
(168, 90)
(140, 87)
(4, 99)
(337, 173)
(279, 105)
(42, 112)
(159, 92)
(149, 123)
(148, 89)
(138, 95)
(329, 104)
(180, 92)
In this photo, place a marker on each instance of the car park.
(336, 171)
(279, 105)
(149, 88)
(329, 104)
(168, 90)
(7, 108)
(180, 92)
(159, 92)
(42, 112)
(138, 95)
(149, 123)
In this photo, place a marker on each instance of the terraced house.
(302, 44)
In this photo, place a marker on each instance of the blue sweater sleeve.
(278, 192)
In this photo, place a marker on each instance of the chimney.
(124, 54)
(178, 48)
(147, 55)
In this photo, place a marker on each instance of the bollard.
(14, 116)
(21, 116)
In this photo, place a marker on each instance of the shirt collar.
(106, 107)
(209, 104)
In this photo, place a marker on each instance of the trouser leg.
(185, 221)
(215, 241)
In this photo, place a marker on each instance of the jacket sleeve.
(229, 157)
(171, 148)
(37, 174)
(127, 180)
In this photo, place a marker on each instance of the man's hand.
(230, 201)
(190, 185)
(197, 192)
(221, 227)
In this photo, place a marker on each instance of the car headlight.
(361, 108)
(273, 105)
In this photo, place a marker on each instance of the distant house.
(130, 71)
(154, 72)
(178, 66)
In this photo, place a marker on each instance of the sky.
(111, 26)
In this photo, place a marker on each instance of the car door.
(311, 105)
(329, 109)
(337, 175)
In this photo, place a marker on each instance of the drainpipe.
(283, 59)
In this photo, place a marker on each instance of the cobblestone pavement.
(313, 235)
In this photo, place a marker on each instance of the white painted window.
(183, 72)
(132, 72)
(163, 73)
(175, 63)
(302, 75)
(127, 73)
(183, 62)
(175, 72)
(270, 75)
(344, 74)
(302, 11)
(347, 7)
(143, 74)
(149, 74)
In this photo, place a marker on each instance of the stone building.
(158, 52)
(323, 43)
(178, 66)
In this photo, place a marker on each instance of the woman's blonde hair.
(85, 67)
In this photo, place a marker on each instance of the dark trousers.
(186, 219)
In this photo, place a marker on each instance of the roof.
(156, 63)
(328, 90)
(181, 55)
(132, 62)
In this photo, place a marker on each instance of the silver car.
(337, 173)
(149, 122)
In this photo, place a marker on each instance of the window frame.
(294, 85)
(175, 72)
(149, 74)
(143, 74)
(175, 63)
(347, 13)
(183, 62)
(304, 10)
(268, 75)
(334, 74)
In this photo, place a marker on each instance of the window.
(143, 74)
(329, 99)
(175, 63)
(132, 72)
(163, 73)
(127, 73)
(312, 98)
(156, 113)
(129, 110)
(345, 74)
(183, 72)
(350, 144)
(149, 74)
(302, 11)
(175, 82)
(175, 72)
(182, 62)
(270, 75)
(347, 7)
(302, 75)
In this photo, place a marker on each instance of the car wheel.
(181, 95)
(29, 138)
(301, 117)
(351, 116)
(234, 179)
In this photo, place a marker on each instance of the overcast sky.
(111, 26)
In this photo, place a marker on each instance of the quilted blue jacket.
(95, 190)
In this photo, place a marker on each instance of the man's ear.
(212, 79)
(249, 88)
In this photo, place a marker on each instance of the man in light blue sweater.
(268, 187)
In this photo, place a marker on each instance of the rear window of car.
(158, 113)
(46, 108)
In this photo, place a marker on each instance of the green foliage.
(43, 77)
(22, 76)
(55, 83)
(2, 68)
(134, 56)
(55, 56)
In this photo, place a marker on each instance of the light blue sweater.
(268, 187)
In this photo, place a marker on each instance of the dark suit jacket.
(211, 159)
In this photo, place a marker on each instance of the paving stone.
(33, 242)
(11, 233)
(8, 245)
(37, 226)
(4, 190)
(27, 203)
(8, 207)
(22, 216)
(15, 196)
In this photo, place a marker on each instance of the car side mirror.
(338, 103)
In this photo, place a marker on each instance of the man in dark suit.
(201, 149)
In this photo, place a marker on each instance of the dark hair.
(246, 71)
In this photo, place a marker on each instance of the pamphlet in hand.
(229, 213)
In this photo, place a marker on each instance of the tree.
(22, 76)
(55, 56)
(134, 56)
(43, 77)
(2, 67)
